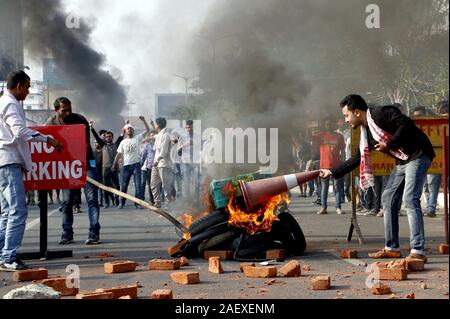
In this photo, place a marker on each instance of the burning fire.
(188, 219)
(260, 220)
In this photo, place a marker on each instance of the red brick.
(172, 251)
(224, 254)
(443, 249)
(160, 264)
(162, 294)
(410, 296)
(381, 290)
(397, 264)
(184, 261)
(95, 295)
(185, 278)
(276, 254)
(349, 254)
(120, 266)
(243, 265)
(291, 269)
(120, 291)
(392, 274)
(321, 282)
(60, 285)
(260, 272)
(215, 266)
(30, 274)
(414, 264)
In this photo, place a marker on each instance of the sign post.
(53, 170)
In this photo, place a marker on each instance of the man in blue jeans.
(129, 151)
(15, 158)
(90, 191)
(387, 130)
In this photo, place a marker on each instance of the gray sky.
(144, 42)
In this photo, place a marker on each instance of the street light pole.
(186, 79)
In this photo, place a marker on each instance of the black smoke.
(99, 95)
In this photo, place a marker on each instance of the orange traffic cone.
(261, 191)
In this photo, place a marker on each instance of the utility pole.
(186, 79)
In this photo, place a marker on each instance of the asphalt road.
(141, 235)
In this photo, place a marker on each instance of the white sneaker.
(339, 211)
(322, 211)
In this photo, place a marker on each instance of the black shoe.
(15, 265)
(94, 240)
(66, 240)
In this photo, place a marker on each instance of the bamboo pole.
(156, 210)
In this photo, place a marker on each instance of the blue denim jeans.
(91, 195)
(434, 182)
(128, 171)
(145, 181)
(14, 211)
(190, 179)
(339, 187)
(405, 183)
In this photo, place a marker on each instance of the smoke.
(285, 63)
(46, 34)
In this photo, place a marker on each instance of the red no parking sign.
(53, 170)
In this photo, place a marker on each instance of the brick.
(223, 254)
(184, 261)
(397, 264)
(349, 254)
(185, 278)
(307, 268)
(30, 274)
(160, 264)
(215, 266)
(276, 254)
(291, 269)
(260, 272)
(120, 291)
(410, 296)
(392, 274)
(321, 282)
(174, 250)
(60, 285)
(414, 264)
(95, 295)
(162, 294)
(381, 290)
(243, 265)
(378, 265)
(443, 249)
(120, 266)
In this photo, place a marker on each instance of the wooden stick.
(159, 211)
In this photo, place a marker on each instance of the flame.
(188, 219)
(260, 220)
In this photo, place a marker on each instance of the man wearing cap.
(129, 151)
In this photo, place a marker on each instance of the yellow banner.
(432, 126)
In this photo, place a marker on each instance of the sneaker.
(106, 206)
(417, 256)
(380, 214)
(66, 241)
(385, 254)
(339, 211)
(402, 212)
(93, 240)
(372, 212)
(15, 265)
(78, 210)
(322, 211)
(362, 212)
(120, 206)
(429, 214)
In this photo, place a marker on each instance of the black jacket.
(405, 135)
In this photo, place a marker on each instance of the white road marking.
(37, 220)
